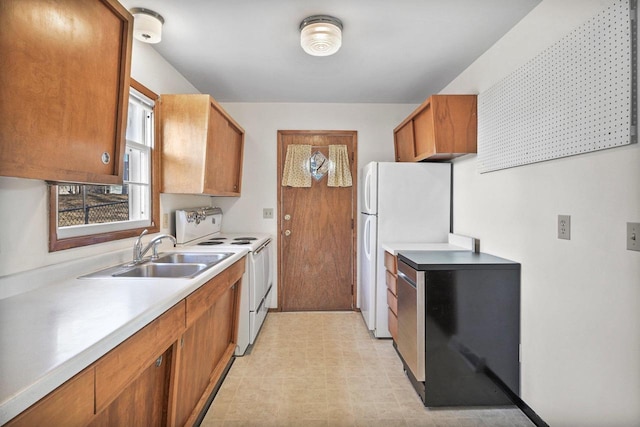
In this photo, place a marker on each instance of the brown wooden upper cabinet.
(64, 89)
(202, 147)
(443, 127)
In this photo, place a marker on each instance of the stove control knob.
(287, 232)
(287, 217)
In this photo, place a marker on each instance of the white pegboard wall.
(576, 96)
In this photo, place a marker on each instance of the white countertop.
(394, 247)
(455, 242)
(49, 334)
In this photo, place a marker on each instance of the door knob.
(287, 232)
(287, 217)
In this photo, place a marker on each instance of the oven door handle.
(264, 245)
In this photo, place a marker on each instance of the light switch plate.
(267, 213)
(564, 227)
(633, 236)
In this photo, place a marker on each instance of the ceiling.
(392, 51)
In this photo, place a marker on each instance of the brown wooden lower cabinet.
(161, 376)
(391, 264)
(143, 402)
(71, 404)
(123, 364)
(206, 348)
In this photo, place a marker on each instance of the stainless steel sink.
(171, 265)
(163, 270)
(193, 258)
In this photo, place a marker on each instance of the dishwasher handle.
(407, 279)
(408, 272)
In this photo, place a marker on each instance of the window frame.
(57, 244)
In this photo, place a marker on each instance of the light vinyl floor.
(325, 369)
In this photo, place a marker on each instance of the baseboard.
(215, 390)
(530, 413)
(517, 401)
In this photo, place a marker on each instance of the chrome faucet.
(139, 251)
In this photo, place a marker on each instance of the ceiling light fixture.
(147, 25)
(321, 35)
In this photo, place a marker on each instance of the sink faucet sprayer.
(139, 251)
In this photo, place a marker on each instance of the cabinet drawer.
(393, 324)
(71, 404)
(390, 263)
(392, 302)
(123, 364)
(391, 282)
(203, 298)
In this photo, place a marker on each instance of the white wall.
(261, 122)
(24, 218)
(580, 298)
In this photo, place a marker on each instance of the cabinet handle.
(181, 342)
(158, 361)
(106, 158)
(287, 232)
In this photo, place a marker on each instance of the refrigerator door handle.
(367, 237)
(367, 191)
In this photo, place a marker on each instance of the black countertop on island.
(454, 260)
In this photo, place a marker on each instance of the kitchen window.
(83, 214)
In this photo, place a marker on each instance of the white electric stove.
(201, 228)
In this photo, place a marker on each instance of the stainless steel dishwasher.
(411, 319)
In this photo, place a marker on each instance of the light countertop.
(394, 248)
(455, 243)
(51, 333)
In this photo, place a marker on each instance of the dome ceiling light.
(321, 35)
(147, 25)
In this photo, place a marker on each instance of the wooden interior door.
(316, 255)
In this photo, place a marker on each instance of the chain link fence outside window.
(92, 204)
(95, 214)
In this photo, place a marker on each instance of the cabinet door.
(64, 80)
(233, 153)
(122, 365)
(224, 155)
(196, 365)
(404, 143)
(144, 401)
(216, 167)
(456, 126)
(183, 127)
(206, 348)
(424, 133)
(71, 404)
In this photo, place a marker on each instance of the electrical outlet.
(165, 220)
(267, 213)
(564, 227)
(633, 236)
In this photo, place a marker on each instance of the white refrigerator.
(400, 203)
